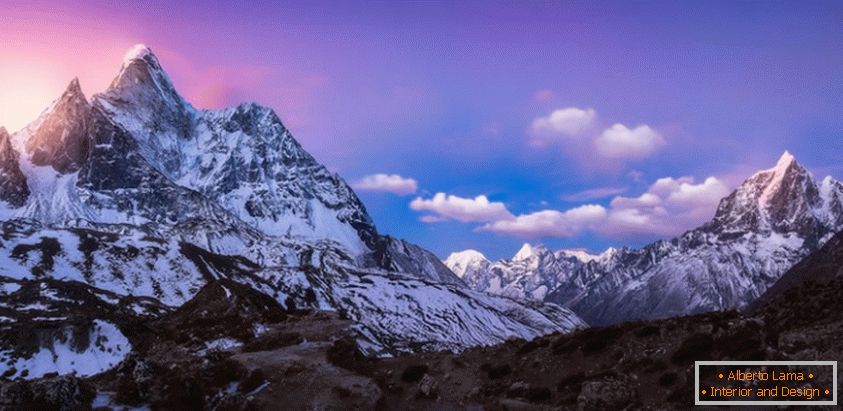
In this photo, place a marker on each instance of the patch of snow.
(137, 52)
(35, 306)
(105, 399)
(9, 288)
(260, 329)
(107, 347)
(221, 344)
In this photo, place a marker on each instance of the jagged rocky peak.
(529, 251)
(143, 100)
(577, 253)
(13, 187)
(781, 199)
(141, 74)
(241, 157)
(60, 137)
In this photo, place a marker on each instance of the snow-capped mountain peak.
(143, 100)
(242, 157)
(776, 177)
(462, 261)
(529, 275)
(137, 52)
(528, 251)
(783, 199)
(59, 137)
(785, 160)
(579, 254)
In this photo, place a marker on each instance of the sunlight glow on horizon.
(28, 89)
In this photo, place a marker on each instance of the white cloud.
(709, 192)
(670, 206)
(392, 183)
(571, 122)
(621, 142)
(477, 209)
(549, 223)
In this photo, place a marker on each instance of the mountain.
(821, 267)
(768, 224)
(774, 219)
(529, 275)
(13, 188)
(465, 262)
(123, 208)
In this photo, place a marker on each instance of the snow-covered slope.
(773, 220)
(102, 348)
(135, 201)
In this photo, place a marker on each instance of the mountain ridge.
(761, 229)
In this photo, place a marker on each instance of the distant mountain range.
(128, 205)
(773, 220)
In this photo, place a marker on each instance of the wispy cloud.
(391, 183)
(550, 223)
(594, 193)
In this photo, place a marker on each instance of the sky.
(484, 124)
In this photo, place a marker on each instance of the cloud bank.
(668, 207)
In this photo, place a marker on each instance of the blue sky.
(579, 124)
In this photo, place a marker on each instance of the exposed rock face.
(60, 138)
(13, 188)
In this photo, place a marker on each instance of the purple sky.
(568, 118)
